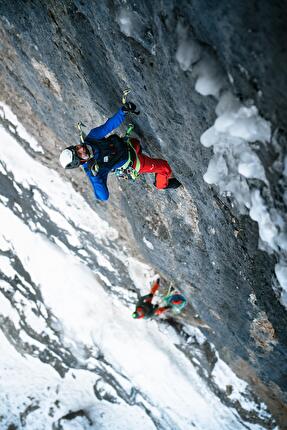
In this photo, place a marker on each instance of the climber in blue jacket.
(98, 155)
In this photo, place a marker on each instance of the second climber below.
(145, 308)
(99, 155)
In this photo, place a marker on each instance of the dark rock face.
(68, 60)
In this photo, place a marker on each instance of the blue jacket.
(99, 182)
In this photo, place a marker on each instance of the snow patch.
(89, 318)
(140, 273)
(29, 172)
(224, 377)
(244, 123)
(103, 261)
(148, 243)
(210, 79)
(188, 53)
(259, 212)
(6, 268)
(250, 166)
(125, 20)
(281, 274)
(188, 50)
(6, 113)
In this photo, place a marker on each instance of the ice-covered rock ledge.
(237, 136)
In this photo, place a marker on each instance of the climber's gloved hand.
(130, 107)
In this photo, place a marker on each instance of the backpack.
(112, 149)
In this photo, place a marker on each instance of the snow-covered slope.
(64, 303)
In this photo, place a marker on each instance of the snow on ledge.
(6, 113)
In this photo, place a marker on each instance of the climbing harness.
(127, 171)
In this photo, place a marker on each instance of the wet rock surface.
(69, 61)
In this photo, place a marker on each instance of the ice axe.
(124, 97)
(80, 130)
(131, 107)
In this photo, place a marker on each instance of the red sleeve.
(154, 287)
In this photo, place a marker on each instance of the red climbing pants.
(160, 167)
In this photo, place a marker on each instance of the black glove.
(130, 107)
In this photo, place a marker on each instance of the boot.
(174, 183)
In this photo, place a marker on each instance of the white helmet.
(69, 158)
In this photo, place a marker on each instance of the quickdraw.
(127, 171)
